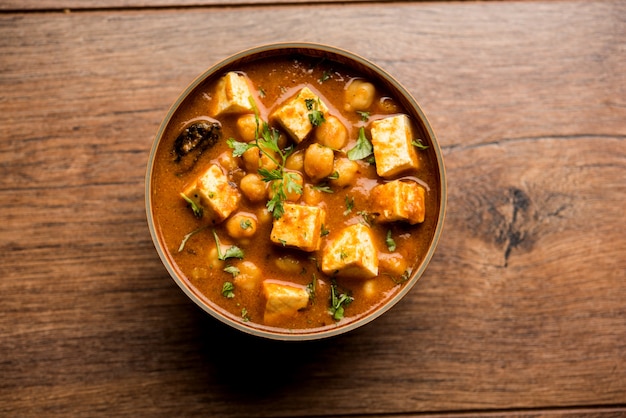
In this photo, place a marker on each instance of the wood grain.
(521, 312)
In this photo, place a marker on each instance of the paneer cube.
(398, 201)
(232, 95)
(283, 300)
(300, 227)
(394, 152)
(293, 116)
(212, 192)
(352, 254)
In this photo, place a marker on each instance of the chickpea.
(227, 161)
(264, 216)
(388, 105)
(248, 277)
(318, 161)
(332, 133)
(295, 161)
(288, 264)
(253, 159)
(214, 261)
(291, 195)
(347, 171)
(359, 95)
(246, 125)
(393, 263)
(241, 225)
(253, 187)
(311, 195)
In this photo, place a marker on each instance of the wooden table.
(522, 311)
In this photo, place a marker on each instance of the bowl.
(295, 191)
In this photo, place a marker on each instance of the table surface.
(522, 311)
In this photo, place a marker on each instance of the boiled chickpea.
(241, 225)
(346, 172)
(311, 195)
(332, 133)
(359, 95)
(393, 263)
(246, 126)
(253, 187)
(213, 259)
(253, 159)
(290, 195)
(227, 161)
(248, 277)
(264, 216)
(388, 105)
(318, 161)
(288, 264)
(295, 161)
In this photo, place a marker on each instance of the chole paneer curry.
(292, 193)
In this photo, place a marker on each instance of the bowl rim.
(306, 48)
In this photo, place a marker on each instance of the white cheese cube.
(283, 300)
(351, 254)
(293, 115)
(232, 95)
(392, 139)
(300, 226)
(212, 191)
(398, 201)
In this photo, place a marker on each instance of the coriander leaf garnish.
(325, 76)
(266, 140)
(349, 205)
(244, 315)
(364, 115)
(391, 244)
(316, 117)
(232, 270)
(228, 290)
(197, 209)
(310, 288)
(338, 303)
(418, 143)
(231, 252)
(363, 147)
(181, 247)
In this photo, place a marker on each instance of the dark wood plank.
(522, 308)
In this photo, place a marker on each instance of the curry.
(293, 193)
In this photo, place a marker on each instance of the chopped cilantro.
(363, 147)
(338, 303)
(231, 252)
(391, 244)
(418, 143)
(228, 290)
(197, 209)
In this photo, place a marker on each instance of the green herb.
(338, 303)
(363, 147)
(343, 254)
(366, 216)
(266, 138)
(364, 115)
(245, 224)
(334, 176)
(310, 288)
(418, 143)
(181, 247)
(391, 244)
(349, 205)
(262, 92)
(231, 252)
(244, 315)
(197, 209)
(323, 188)
(316, 116)
(232, 270)
(324, 231)
(325, 76)
(227, 290)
